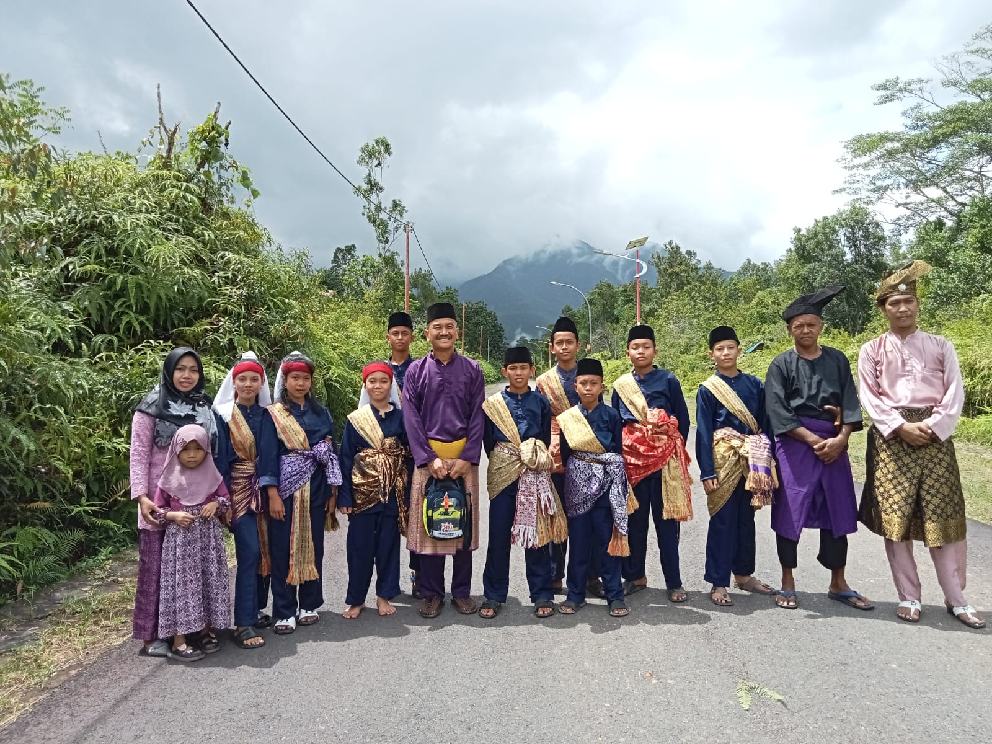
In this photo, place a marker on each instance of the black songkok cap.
(517, 355)
(565, 324)
(640, 332)
(441, 310)
(589, 366)
(723, 333)
(812, 304)
(400, 319)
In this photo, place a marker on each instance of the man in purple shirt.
(442, 411)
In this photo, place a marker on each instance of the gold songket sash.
(737, 455)
(549, 384)
(245, 493)
(654, 443)
(539, 517)
(379, 470)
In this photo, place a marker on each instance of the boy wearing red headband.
(375, 467)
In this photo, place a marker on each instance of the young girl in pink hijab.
(194, 591)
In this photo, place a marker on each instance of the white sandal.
(976, 623)
(307, 617)
(284, 626)
(913, 605)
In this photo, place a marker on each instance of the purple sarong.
(812, 494)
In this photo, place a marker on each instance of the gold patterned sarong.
(379, 470)
(913, 493)
(417, 539)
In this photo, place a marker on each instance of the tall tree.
(386, 221)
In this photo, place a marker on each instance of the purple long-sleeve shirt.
(444, 402)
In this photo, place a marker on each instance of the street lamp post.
(642, 269)
(588, 308)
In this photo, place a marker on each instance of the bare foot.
(385, 607)
(353, 612)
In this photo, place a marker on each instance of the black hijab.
(171, 408)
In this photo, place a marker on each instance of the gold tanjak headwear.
(902, 282)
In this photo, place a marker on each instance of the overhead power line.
(304, 135)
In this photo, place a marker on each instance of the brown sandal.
(721, 599)
(755, 586)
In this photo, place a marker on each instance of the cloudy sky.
(515, 125)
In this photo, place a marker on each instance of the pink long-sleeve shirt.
(913, 372)
(147, 462)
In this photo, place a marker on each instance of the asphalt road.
(665, 673)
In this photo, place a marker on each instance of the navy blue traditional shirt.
(712, 415)
(532, 414)
(391, 423)
(606, 425)
(399, 370)
(661, 390)
(316, 422)
(567, 377)
(262, 428)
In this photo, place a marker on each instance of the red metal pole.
(637, 289)
(406, 289)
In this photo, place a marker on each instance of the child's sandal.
(185, 653)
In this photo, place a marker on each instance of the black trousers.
(832, 555)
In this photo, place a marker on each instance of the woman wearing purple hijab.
(812, 405)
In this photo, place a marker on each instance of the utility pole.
(637, 244)
(406, 289)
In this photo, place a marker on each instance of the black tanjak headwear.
(517, 355)
(723, 333)
(589, 366)
(565, 324)
(400, 319)
(640, 332)
(812, 304)
(441, 310)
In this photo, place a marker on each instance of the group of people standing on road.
(572, 481)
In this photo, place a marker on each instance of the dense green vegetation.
(108, 260)
(934, 174)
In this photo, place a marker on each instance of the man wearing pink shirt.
(912, 389)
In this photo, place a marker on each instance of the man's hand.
(460, 468)
(830, 449)
(277, 510)
(710, 485)
(915, 435)
(181, 518)
(209, 510)
(438, 468)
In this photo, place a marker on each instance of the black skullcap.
(812, 304)
(589, 366)
(723, 333)
(640, 332)
(441, 310)
(400, 319)
(517, 355)
(565, 324)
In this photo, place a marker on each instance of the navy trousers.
(539, 561)
(590, 533)
(730, 539)
(373, 541)
(559, 551)
(309, 595)
(649, 502)
(251, 591)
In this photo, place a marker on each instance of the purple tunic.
(444, 402)
(812, 494)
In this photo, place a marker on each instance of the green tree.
(386, 221)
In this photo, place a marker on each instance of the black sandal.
(185, 652)
(209, 643)
(241, 638)
(264, 621)
(493, 607)
(568, 607)
(618, 608)
(674, 598)
(545, 605)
